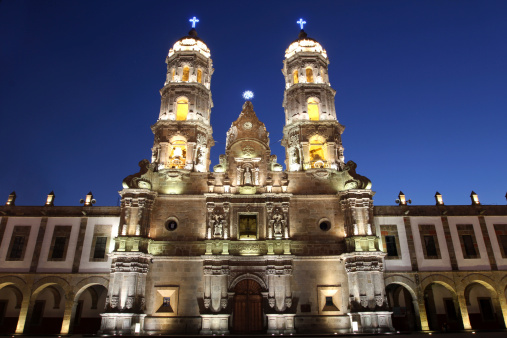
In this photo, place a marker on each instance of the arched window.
(178, 155)
(296, 76)
(181, 109)
(317, 151)
(309, 75)
(199, 76)
(313, 109)
(172, 74)
(186, 73)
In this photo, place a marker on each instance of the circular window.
(325, 225)
(171, 224)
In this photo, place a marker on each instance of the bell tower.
(312, 134)
(183, 131)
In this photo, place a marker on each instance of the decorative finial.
(248, 95)
(301, 22)
(194, 20)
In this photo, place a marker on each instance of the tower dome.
(304, 44)
(192, 43)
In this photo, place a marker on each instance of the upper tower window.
(172, 74)
(181, 109)
(199, 75)
(313, 109)
(317, 152)
(309, 75)
(296, 76)
(186, 74)
(178, 154)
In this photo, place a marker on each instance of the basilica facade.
(246, 246)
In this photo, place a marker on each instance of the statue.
(218, 229)
(278, 223)
(216, 224)
(247, 180)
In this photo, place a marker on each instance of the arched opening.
(442, 308)
(199, 76)
(483, 308)
(295, 76)
(402, 305)
(172, 74)
(89, 305)
(317, 152)
(10, 306)
(309, 75)
(48, 310)
(247, 316)
(181, 109)
(186, 74)
(313, 109)
(178, 154)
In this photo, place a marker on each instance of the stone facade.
(249, 247)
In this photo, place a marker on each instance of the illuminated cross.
(194, 20)
(301, 22)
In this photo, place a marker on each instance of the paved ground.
(461, 334)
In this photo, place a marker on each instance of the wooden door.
(247, 307)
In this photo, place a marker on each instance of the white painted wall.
(402, 264)
(481, 263)
(59, 266)
(24, 265)
(430, 264)
(497, 252)
(86, 265)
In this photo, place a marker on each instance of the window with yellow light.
(313, 109)
(178, 155)
(199, 76)
(317, 152)
(186, 74)
(295, 75)
(309, 75)
(181, 109)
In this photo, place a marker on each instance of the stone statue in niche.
(200, 156)
(247, 177)
(295, 156)
(277, 223)
(218, 229)
(216, 223)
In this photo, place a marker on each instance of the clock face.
(247, 125)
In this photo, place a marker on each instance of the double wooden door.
(247, 316)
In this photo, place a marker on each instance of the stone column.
(125, 301)
(68, 315)
(279, 314)
(285, 209)
(464, 311)
(503, 306)
(305, 152)
(215, 317)
(423, 317)
(364, 264)
(269, 224)
(23, 313)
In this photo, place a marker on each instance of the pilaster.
(364, 264)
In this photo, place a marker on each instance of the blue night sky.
(421, 88)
